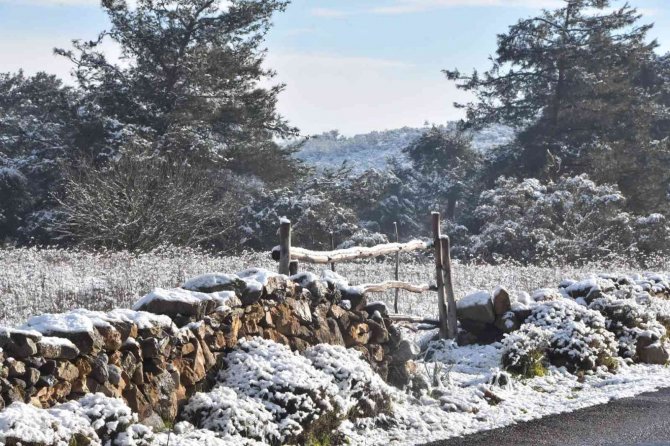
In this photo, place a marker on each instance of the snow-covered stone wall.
(174, 342)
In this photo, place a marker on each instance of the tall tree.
(448, 163)
(570, 79)
(190, 81)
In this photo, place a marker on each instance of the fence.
(290, 256)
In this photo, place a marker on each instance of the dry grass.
(34, 281)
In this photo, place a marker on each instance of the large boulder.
(477, 307)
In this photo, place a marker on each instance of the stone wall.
(158, 354)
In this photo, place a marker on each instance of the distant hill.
(372, 150)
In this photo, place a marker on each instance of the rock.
(99, 370)
(357, 334)
(376, 352)
(357, 299)
(32, 376)
(137, 402)
(380, 307)
(66, 371)
(160, 391)
(655, 353)
(85, 341)
(111, 338)
(501, 302)
(279, 288)
(401, 374)
(177, 301)
(300, 310)
(150, 348)
(213, 283)
(114, 374)
(406, 351)
(19, 344)
(56, 348)
(477, 307)
(378, 332)
(15, 368)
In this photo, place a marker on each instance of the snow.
(72, 322)
(57, 342)
(209, 281)
(475, 299)
(142, 319)
(178, 295)
(7, 331)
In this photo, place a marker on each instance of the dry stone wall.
(158, 354)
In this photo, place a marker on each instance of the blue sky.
(352, 65)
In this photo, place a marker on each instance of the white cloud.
(358, 94)
(411, 6)
(414, 6)
(56, 2)
(329, 12)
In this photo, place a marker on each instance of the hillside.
(372, 150)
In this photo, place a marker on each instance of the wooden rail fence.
(289, 257)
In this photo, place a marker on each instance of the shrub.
(524, 351)
(223, 411)
(291, 389)
(366, 393)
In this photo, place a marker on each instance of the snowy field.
(35, 281)
(467, 390)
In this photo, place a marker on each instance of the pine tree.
(189, 80)
(448, 162)
(571, 80)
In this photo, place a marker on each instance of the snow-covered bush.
(94, 420)
(524, 351)
(26, 424)
(365, 392)
(111, 419)
(301, 399)
(628, 320)
(572, 219)
(223, 411)
(570, 335)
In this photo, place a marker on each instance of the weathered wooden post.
(293, 268)
(397, 268)
(332, 248)
(284, 246)
(452, 316)
(439, 277)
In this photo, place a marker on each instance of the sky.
(351, 65)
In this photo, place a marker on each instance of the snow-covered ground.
(35, 281)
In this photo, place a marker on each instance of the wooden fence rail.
(289, 257)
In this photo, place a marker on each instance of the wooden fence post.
(452, 315)
(332, 248)
(293, 267)
(397, 268)
(439, 277)
(285, 246)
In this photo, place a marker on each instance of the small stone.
(66, 371)
(99, 370)
(16, 369)
(32, 376)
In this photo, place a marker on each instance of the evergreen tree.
(448, 163)
(571, 78)
(189, 80)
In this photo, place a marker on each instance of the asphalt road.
(641, 421)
